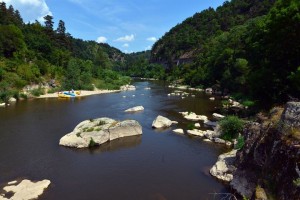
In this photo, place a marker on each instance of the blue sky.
(131, 25)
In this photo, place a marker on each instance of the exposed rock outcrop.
(99, 131)
(135, 109)
(162, 122)
(224, 167)
(271, 155)
(25, 190)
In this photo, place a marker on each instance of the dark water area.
(158, 165)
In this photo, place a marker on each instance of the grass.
(240, 142)
(78, 134)
(191, 126)
(101, 123)
(92, 143)
(296, 182)
(295, 133)
(97, 129)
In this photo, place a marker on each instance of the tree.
(49, 22)
(61, 29)
(11, 40)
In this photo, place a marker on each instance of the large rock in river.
(162, 122)
(99, 131)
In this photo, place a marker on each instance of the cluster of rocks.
(127, 88)
(24, 190)
(269, 159)
(162, 122)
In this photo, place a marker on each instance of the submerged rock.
(162, 122)
(135, 109)
(224, 167)
(25, 190)
(99, 131)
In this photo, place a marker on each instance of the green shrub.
(92, 143)
(191, 126)
(37, 92)
(53, 90)
(240, 142)
(90, 129)
(248, 103)
(23, 96)
(231, 126)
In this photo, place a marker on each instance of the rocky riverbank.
(268, 164)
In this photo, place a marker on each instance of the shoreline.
(82, 94)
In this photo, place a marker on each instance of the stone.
(210, 123)
(224, 168)
(135, 109)
(197, 125)
(127, 87)
(193, 116)
(147, 88)
(207, 140)
(290, 118)
(179, 131)
(219, 140)
(196, 132)
(2, 104)
(162, 122)
(212, 98)
(260, 194)
(99, 130)
(208, 90)
(12, 99)
(26, 190)
(218, 116)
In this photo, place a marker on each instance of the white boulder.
(99, 131)
(218, 116)
(224, 168)
(179, 131)
(197, 125)
(162, 122)
(212, 98)
(135, 109)
(196, 132)
(25, 190)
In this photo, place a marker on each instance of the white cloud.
(125, 45)
(30, 10)
(152, 39)
(126, 38)
(101, 39)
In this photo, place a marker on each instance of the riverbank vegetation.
(247, 47)
(36, 54)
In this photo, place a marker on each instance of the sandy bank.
(82, 94)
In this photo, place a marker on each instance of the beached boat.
(70, 94)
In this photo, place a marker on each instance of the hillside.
(247, 48)
(39, 54)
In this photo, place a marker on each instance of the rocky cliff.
(270, 158)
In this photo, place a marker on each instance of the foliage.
(231, 126)
(296, 182)
(240, 142)
(191, 126)
(37, 92)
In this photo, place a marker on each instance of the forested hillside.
(36, 53)
(250, 48)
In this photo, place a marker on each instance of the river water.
(158, 165)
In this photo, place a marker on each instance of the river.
(159, 165)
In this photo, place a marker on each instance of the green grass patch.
(191, 126)
(37, 92)
(92, 143)
(240, 142)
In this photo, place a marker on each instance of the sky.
(131, 25)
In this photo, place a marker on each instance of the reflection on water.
(156, 165)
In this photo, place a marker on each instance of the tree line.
(248, 48)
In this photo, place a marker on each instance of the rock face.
(99, 131)
(25, 190)
(270, 157)
(162, 122)
(224, 167)
(179, 131)
(290, 119)
(135, 109)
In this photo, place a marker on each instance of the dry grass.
(295, 133)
